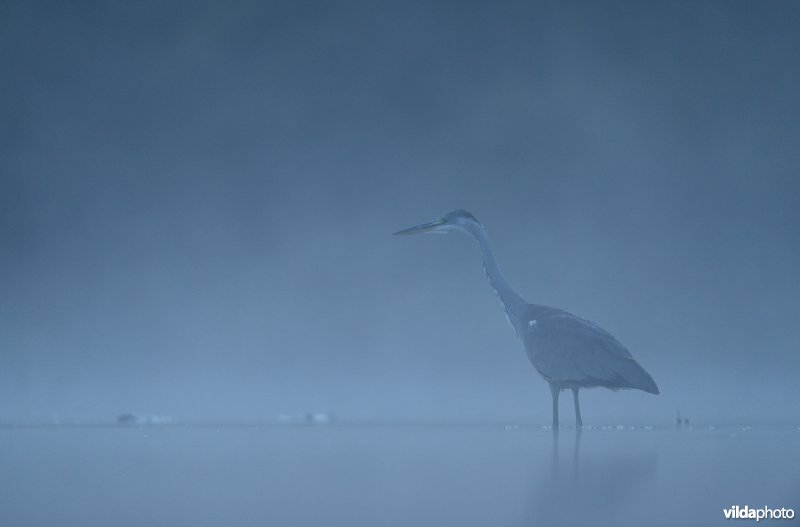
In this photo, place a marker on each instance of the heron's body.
(568, 352)
(574, 352)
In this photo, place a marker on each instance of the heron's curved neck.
(511, 300)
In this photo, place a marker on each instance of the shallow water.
(392, 475)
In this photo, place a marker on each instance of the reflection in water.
(576, 453)
(392, 475)
(604, 484)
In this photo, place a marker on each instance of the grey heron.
(569, 352)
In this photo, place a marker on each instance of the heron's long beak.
(424, 227)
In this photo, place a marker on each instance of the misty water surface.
(393, 475)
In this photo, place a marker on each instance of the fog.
(197, 203)
(196, 208)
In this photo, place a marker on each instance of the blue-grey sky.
(196, 202)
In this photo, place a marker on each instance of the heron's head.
(455, 220)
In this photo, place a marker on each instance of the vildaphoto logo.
(764, 513)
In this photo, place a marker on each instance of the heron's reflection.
(574, 463)
(581, 487)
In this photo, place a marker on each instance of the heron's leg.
(578, 420)
(555, 390)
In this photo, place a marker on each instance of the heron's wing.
(568, 349)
